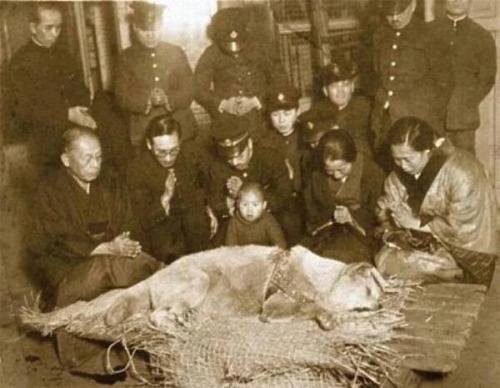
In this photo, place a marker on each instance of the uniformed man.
(340, 107)
(239, 69)
(167, 195)
(45, 86)
(283, 110)
(153, 77)
(46, 93)
(412, 72)
(241, 159)
(473, 58)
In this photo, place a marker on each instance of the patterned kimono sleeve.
(467, 219)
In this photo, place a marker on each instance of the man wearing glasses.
(167, 193)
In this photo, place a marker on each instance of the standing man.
(45, 87)
(340, 107)
(153, 77)
(473, 58)
(84, 240)
(412, 72)
(239, 160)
(167, 194)
(233, 74)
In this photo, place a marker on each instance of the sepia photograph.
(249, 193)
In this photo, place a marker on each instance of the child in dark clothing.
(251, 223)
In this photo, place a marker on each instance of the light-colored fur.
(233, 281)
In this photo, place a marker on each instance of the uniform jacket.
(247, 74)
(69, 223)
(473, 57)
(266, 167)
(354, 118)
(413, 76)
(42, 83)
(359, 193)
(264, 231)
(139, 70)
(291, 149)
(457, 201)
(146, 182)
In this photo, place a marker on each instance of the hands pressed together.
(239, 106)
(167, 195)
(121, 245)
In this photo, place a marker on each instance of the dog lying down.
(252, 281)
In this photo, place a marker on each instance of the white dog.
(254, 281)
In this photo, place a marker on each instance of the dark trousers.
(465, 140)
(86, 281)
(180, 234)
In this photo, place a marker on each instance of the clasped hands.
(121, 245)
(168, 193)
(403, 217)
(233, 186)
(240, 105)
(158, 97)
(342, 215)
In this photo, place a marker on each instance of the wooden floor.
(28, 361)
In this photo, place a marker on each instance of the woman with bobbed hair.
(441, 198)
(340, 198)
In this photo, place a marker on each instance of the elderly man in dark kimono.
(167, 192)
(153, 77)
(442, 200)
(84, 239)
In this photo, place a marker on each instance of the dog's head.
(356, 289)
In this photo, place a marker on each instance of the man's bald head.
(82, 154)
(73, 135)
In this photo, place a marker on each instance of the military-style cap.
(394, 7)
(230, 134)
(339, 69)
(229, 28)
(146, 15)
(282, 96)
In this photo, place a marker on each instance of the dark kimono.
(186, 227)
(359, 193)
(68, 225)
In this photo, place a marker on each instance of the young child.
(251, 223)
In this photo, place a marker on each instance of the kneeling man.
(167, 194)
(84, 239)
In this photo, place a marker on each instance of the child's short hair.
(255, 187)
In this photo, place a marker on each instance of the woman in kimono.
(340, 200)
(442, 200)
